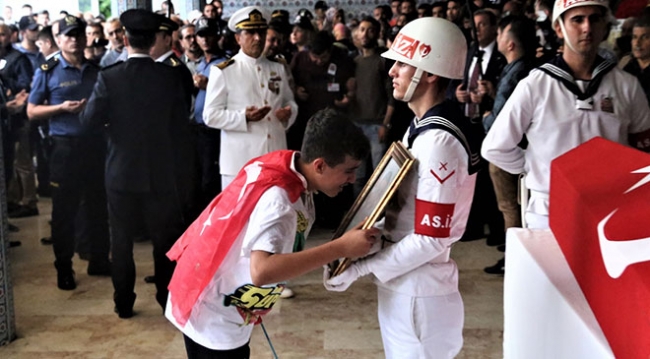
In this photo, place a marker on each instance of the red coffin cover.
(607, 185)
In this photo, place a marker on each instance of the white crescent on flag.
(618, 255)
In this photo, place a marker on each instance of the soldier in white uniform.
(566, 102)
(420, 308)
(248, 97)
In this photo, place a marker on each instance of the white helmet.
(561, 6)
(432, 45)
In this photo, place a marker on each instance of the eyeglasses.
(188, 37)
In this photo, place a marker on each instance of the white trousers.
(420, 327)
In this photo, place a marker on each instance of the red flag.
(599, 212)
(205, 244)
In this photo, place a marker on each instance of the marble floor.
(53, 324)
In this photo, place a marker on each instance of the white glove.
(343, 281)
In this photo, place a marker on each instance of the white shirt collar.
(164, 56)
(488, 50)
(243, 57)
(138, 56)
(294, 158)
(52, 55)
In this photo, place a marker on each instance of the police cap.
(70, 23)
(207, 27)
(140, 21)
(166, 24)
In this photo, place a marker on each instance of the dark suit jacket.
(184, 73)
(145, 111)
(496, 63)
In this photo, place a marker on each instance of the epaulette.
(172, 61)
(280, 60)
(223, 65)
(50, 64)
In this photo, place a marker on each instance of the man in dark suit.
(482, 52)
(149, 155)
(482, 70)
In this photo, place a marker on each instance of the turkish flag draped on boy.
(205, 244)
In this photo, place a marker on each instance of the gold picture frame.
(372, 201)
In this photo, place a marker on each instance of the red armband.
(433, 219)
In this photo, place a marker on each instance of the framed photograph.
(374, 197)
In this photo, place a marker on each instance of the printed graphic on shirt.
(444, 171)
(433, 219)
(253, 302)
(301, 228)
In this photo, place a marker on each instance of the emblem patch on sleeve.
(433, 219)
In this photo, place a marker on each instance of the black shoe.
(150, 279)
(99, 268)
(124, 306)
(15, 244)
(499, 268)
(12, 228)
(46, 241)
(65, 280)
(24, 211)
(124, 313)
(12, 206)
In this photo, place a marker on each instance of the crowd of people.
(143, 126)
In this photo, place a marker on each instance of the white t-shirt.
(272, 228)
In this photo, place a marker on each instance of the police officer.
(149, 155)
(61, 88)
(209, 139)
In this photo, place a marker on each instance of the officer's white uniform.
(542, 108)
(235, 85)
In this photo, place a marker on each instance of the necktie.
(472, 109)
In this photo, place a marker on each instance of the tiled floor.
(315, 324)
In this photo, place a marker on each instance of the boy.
(230, 258)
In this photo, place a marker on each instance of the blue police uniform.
(35, 58)
(208, 140)
(76, 167)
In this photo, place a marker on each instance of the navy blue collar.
(558, 69)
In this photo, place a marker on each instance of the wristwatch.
(388, 126)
